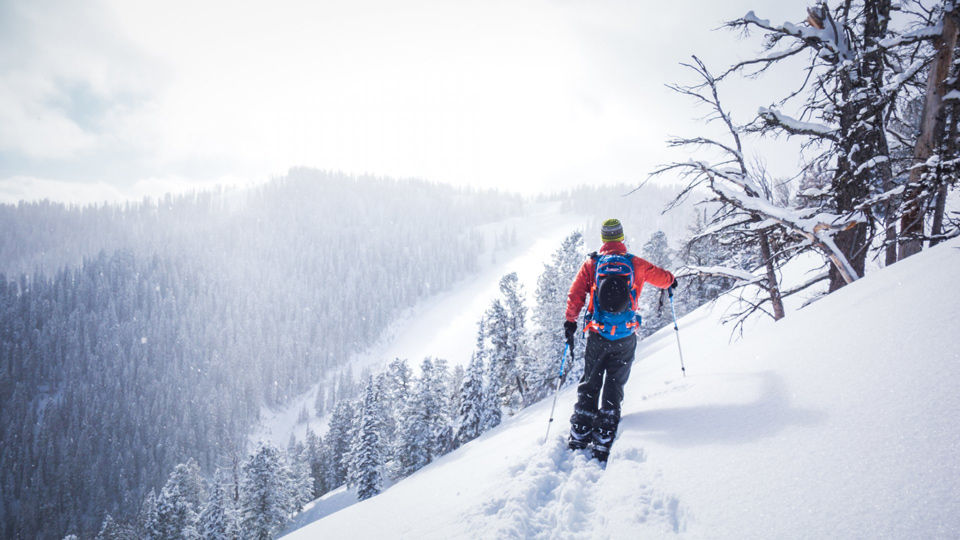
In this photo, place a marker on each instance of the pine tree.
(470, 418)
(180, 500)
(367, 464)
(704, 249)
(505, 323)
(415, 435)
(215, 523)
(657, 250)
(439, 392)
(111, 530)
(548, 316)
(517, 348)
(264, 496)
(304, 416)
(654, 317)
(396, 393)
(314, 457)
(492, 413)
(300, 482)
(338, 443)
(320, 402)
(148, 524)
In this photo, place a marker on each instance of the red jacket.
(643, 271)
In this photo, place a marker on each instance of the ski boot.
(581, 428)
(603, 434)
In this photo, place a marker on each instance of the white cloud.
(519, 95)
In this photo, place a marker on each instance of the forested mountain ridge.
(186, 316)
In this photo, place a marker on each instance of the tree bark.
(772, 285)
(938, 211)
(950, 153)
(862, 127)
(931, 126)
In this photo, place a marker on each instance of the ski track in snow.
(560, 493)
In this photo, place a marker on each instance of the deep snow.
(840, 421)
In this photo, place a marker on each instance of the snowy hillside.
(445, 325)
(840, 421)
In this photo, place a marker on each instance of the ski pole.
(557, 391)
(677, 331)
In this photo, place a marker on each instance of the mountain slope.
(445, 325)
(839, 421)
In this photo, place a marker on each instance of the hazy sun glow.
(116, 99)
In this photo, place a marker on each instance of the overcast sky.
(106, 99)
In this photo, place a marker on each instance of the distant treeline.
(132, 336)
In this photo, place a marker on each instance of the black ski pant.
(606, 365)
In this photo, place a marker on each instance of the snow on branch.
(922, 34)
(721, 271)
(905, 76)
(793, 126)
(870, 163)
(807, 284)
(757, 304)
(882, 198)
(737, 189)
(824, 33)
(818, 229)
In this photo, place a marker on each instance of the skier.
(613, 278)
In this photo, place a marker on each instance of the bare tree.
(748, 205)
(858, 67)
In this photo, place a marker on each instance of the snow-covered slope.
(840, 421)
(445, 326)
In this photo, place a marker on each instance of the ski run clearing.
(840, 421)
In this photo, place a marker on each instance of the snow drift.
(840, 421)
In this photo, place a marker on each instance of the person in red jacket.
(611, 322)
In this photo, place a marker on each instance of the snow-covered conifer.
(470, 417)
(517, 357)
(264, 494)
(338, 443)
(300, 482)
(111, 530)
(148, 524)
(502, 364)
(215, 522)
(440, 406)
(657, 250)
(320, 401)
(313, 453)
(366, 472)
(180, 502)
(548, 316)
(491, 410)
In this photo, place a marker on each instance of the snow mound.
(840, 421)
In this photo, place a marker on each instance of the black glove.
(569, 330)
(670, 289)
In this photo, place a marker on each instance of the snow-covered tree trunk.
(931, 130)
(773, 284)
